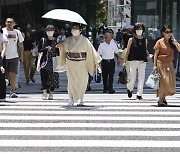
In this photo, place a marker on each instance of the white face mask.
(50, 33)
(139, 32)
(75, 32)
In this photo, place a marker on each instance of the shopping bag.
(153, 80)
(56, 67)
(122, 76)
(39, 62)
(97, 77)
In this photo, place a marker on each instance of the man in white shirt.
(15, 41)
(107, 50)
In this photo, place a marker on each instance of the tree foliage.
(101, 12)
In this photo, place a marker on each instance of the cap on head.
(50, 28)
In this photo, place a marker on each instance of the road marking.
(89, 133)
(88, 143)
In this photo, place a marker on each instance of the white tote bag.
(38, 68)
(56, 67)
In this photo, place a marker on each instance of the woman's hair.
(163, 29)
(138, 26)
(27, 32)
(101, 30)
(111, 31)
(78, 24)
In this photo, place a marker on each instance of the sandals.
(164, 104)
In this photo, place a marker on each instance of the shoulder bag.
(153, 80)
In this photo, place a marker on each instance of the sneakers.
(44, 96)
(50, 96)
(129, 93)
(13, 94)
(139, 97)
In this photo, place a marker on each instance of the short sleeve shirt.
(13, 37)
(166, 53)
(107, 51)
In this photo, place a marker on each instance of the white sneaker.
(44, 96)
(70, 102)
(50, 96)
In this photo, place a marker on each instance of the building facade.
(119, 13)
(27, 13)
(155, 13)
(152, 13)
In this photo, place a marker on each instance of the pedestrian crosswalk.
(109, 123)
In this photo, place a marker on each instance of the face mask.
(139, 32)
(75, 32)
(50, 33)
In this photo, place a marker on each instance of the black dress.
(49, 79)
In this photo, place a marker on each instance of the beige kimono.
(77, 71)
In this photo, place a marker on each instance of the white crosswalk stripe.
(109, 123)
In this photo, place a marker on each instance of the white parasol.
(65, 15)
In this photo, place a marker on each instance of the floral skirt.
(53, 79)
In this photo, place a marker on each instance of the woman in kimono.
(80, 58)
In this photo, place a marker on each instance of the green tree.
(101, 12)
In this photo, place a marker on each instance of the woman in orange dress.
(163, 63)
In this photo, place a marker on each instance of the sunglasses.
(168, 32)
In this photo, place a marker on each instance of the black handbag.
(122, 76)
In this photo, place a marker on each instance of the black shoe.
(112, 91)
(27, 82)
(104, 91)
(139, 97)
(88, 88)
(161, 104)
(33, 80)
(129, 93)
(165, 102)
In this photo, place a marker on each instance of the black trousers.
(2, 86)
(108, 70)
